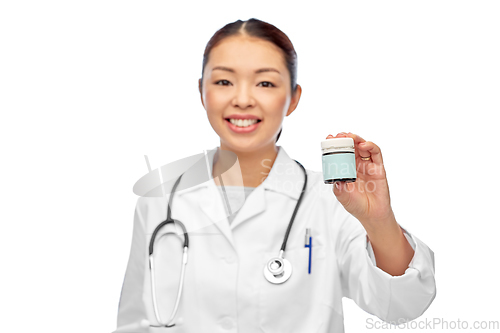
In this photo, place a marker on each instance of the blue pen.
(309, 245)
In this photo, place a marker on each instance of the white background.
(87, 88)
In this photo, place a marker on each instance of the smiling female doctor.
(358, 248)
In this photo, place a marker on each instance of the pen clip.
(308, 236)
(309, 245)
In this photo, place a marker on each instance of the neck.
(254, 165)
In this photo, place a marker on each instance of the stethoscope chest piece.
(278, 270)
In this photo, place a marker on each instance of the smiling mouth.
(243, 122)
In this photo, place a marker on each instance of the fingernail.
(337, 185)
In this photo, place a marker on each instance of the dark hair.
(263, 30)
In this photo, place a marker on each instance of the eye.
(267, 84)
(224, 82)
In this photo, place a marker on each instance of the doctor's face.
(247, 77)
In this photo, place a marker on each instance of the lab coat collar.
(285, 177)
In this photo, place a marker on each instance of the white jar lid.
(337, 143)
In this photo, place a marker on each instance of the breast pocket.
(297, 304)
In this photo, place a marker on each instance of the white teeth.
(243, 122)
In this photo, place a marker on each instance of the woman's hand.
(368, 200)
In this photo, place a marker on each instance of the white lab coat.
(225, 289)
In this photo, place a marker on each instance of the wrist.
(380, 225)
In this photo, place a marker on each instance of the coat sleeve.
(131, 310)
(394, 299)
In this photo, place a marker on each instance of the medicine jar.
(339, 162)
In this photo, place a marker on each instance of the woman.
(358, 251)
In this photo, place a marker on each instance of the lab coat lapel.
(213, 207)
(211, 202)
(254, 205)
(285, 177)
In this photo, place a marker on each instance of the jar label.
(339, 166)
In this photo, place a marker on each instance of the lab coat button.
(227, 323)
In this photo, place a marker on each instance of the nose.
(243, 97)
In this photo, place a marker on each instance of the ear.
(201, 93)
(295, 100)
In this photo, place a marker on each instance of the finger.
(368, 148)
(339, 135)
(357, 139)
(341, 192)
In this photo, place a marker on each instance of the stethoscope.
(277, 270)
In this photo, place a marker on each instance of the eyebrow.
(262, 70)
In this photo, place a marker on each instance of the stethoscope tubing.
(285, 240)
(183, 268)
(186, 246)
(179, 291)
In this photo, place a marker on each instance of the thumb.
(341, 192)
